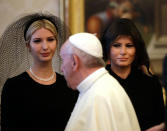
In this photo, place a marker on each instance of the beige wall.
(11, 9)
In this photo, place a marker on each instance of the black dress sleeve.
(8, 108)
(159, 101)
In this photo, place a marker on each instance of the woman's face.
(122, 52)
(42, 45)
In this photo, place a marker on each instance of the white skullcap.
(88, 43)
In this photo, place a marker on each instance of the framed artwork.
(142, 12)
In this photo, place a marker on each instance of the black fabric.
(146, 95)
(28, 105)
(164, 73)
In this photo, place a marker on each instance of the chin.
(123, 65)
(46, 60)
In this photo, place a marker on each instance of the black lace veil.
(14, 56)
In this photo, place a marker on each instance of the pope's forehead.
(66, 43)
(64, 48)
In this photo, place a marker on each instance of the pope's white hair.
(89, 61)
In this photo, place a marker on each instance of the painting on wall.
(97, 15)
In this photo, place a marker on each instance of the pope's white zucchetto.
(88, 43)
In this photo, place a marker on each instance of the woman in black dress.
(38, 99)
(128, 62)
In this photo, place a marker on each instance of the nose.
(45, 45)
(123, 50)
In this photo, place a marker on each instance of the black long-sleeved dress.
(146, 95)
(28, 105)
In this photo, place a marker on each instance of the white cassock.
(102, 105)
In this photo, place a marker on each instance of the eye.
(51, 39)
(116, 45)
(130, 45)
(37, 40)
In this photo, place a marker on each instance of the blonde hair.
(44, 23)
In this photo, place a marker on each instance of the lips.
(123, 59)
(45, 54)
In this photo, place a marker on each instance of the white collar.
(88, 81)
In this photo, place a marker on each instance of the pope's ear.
(75, 62)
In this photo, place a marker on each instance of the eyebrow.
(121, 43)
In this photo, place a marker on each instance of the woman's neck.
(42, 70)
(42, 73)
(122, 72)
